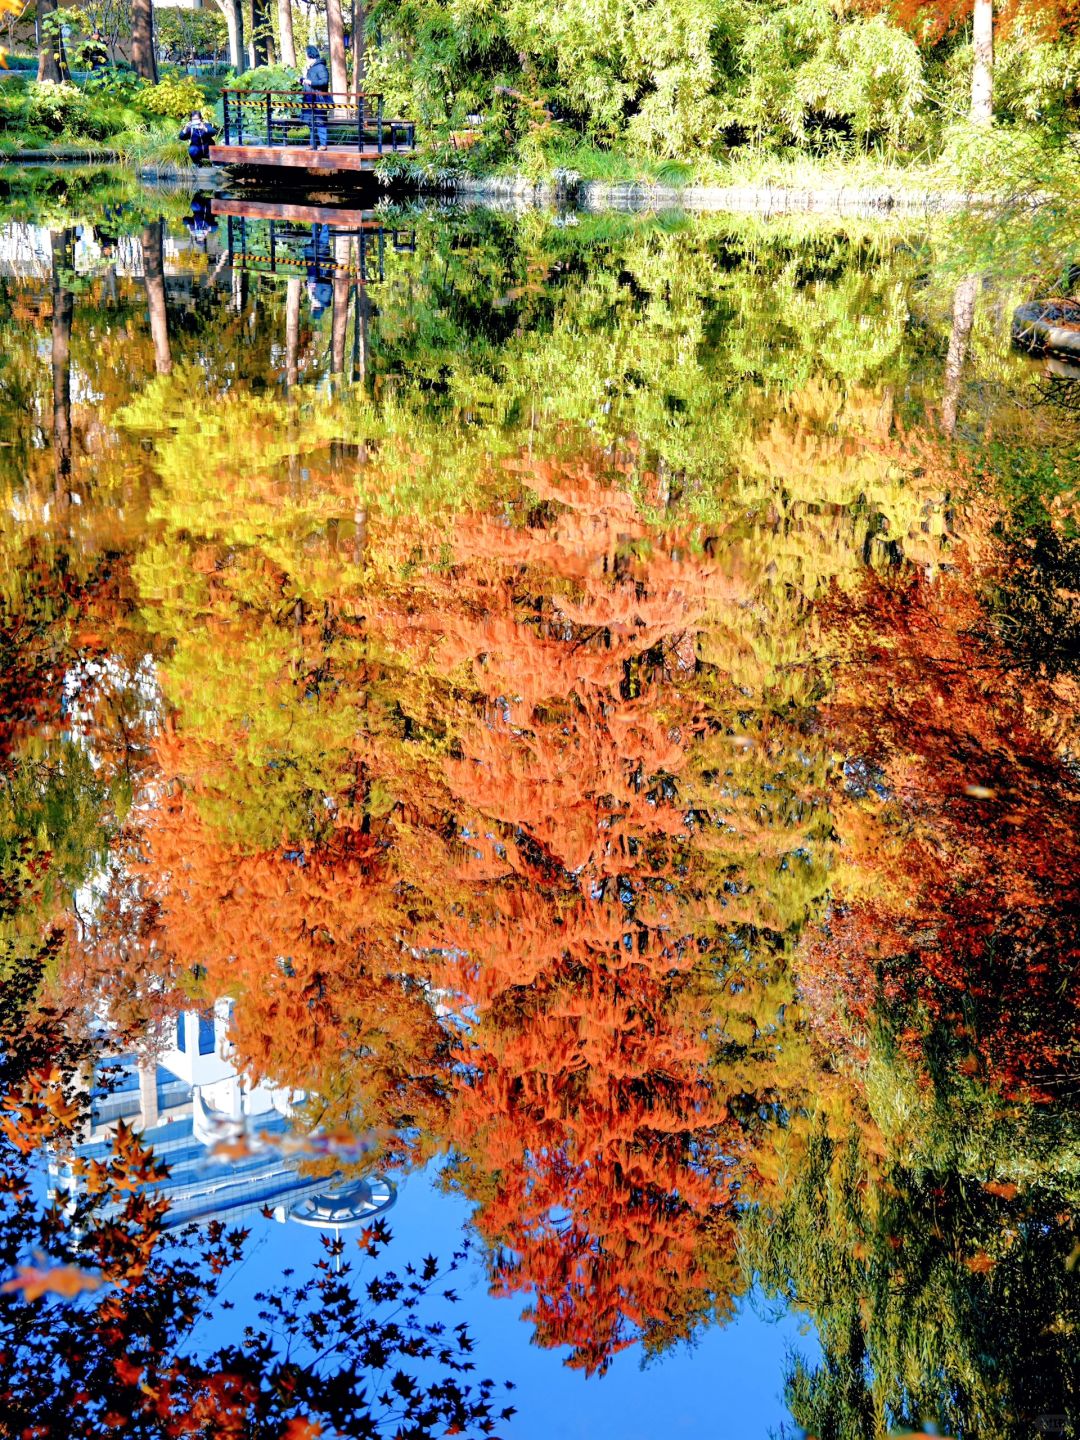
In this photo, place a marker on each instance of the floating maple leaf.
(299, 1428)
(64, 1280)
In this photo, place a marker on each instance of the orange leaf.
(128, 1373)
(980, 1263)
(299, 1428)
(65, 1280)
(1003, 1188)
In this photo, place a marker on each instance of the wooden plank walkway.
(332, 215)
(298, 157)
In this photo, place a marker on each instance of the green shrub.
(174, 97)
(122, 86)
(64, 109)
(12, 107)
(266, 77)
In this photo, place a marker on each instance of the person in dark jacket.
(200, 222)
(316, 96)
(95, 54)
(320, 262)
(198, 133)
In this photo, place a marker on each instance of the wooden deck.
(274, 130)
(298, 157)
(336, 216)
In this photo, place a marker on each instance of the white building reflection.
(229, 1145)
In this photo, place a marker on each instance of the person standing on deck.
(316, 86)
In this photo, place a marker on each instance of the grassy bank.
(112, 114)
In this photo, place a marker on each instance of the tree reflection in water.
(668, 819)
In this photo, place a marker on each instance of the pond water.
(551, 737)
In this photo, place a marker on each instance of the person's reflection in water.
(200, 223)
(319, 261)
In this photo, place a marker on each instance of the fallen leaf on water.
(299, 1428)
(915, 1435)
(1003, 1188)
(65, 1280)
(980, 1263)
(980, 792)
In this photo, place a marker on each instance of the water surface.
(558, 731)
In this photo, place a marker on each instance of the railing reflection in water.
(317, 250)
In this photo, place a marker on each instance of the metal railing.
(299, 117)
(284, 248)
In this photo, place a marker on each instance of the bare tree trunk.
(361, 334)
(63, 310)
(358, 46)
(342, 294)
(154, 273)
(50, 49)
(292, 330)
(982, 77)
(335, 32)
(963, 318)
(262, 33)
(340, 326)
(233, 11)
(286, 41)
(143, 60)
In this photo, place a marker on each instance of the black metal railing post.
(239, 119)
(380, 124)
(225, 115)
(269, 127)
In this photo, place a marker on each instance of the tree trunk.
(154, 274)
(361, 335)
(239, 290)
(340, 326)
(335, 31)
(63, 310)
(982, 77)
(286, 42)
(358, 44)
(962, 321)
(262, 33)
(49, 49)
(143, 60)
(342, 295)
(233, 11)
(292, 331)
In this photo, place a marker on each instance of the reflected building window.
(206, 1032)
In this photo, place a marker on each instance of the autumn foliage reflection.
(956, 893)
(527, 833)
(506, 922)
(606, 1158)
